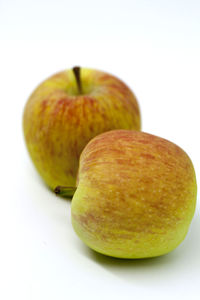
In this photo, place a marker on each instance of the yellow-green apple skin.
(58, 120)
(136, 195)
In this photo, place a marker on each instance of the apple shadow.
(151, 271)
(115, 263)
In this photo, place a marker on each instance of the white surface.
(154, 47)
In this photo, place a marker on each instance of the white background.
(154, 46)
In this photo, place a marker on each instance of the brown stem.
(66, 191)
(77, 74)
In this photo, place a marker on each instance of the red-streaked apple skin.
(136, 195)
(58, 122)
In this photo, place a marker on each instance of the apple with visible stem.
(136, 195)
(66, 111)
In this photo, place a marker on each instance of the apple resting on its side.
(66, 111)
(136, 195)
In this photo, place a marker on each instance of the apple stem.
(66, 191)
(77, 74)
